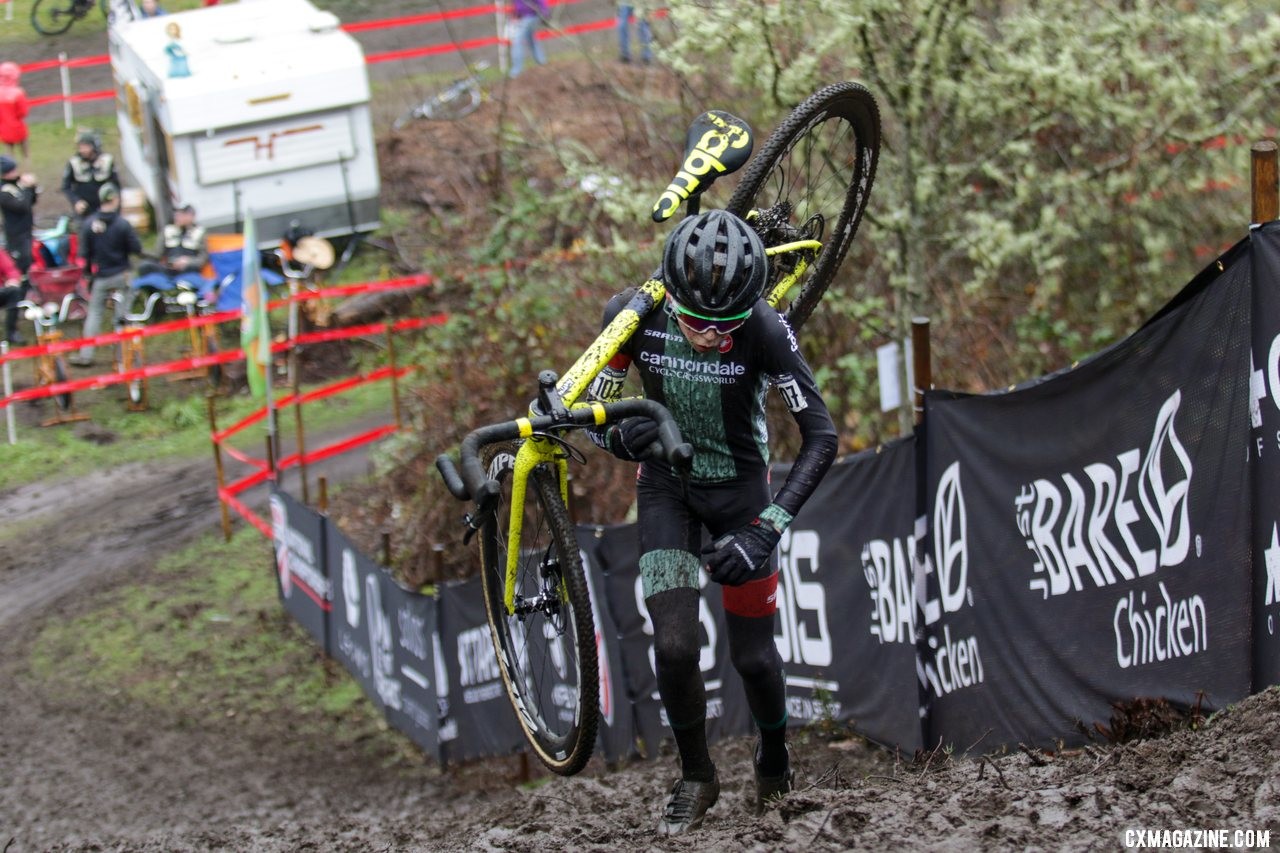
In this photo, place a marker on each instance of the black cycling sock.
(676, 650)
(773, 749)
(695, 758)
(755, 657)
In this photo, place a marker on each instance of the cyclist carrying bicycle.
(710, 357)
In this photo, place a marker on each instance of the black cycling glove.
(633, 439)
(738, 557)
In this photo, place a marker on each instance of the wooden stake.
(922, 364)
(302, 438)
(386, 549)
(1266, 196)
(395, 383)
(323, 482)
(217, 467)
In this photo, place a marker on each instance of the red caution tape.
(244, 512)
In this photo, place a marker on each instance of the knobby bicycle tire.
(445, 106)
(53, 17)
(811, 180)
(61, 401)
(547, 657)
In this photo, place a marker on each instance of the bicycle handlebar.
(474, 483)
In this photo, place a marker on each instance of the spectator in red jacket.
(13, 109)
(11, 291)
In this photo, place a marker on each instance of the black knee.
(752, 650)
(675, 632)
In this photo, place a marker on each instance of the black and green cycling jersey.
(718, 397)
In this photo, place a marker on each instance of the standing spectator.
(150, 9)
(528, 14)
(11, 291)
(88, 170)
(106, 242)
(18, 192)
(13, 109)
(639, 12)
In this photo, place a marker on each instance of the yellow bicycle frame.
(535, 450)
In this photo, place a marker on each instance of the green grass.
(20, 31)
(202, 638)
(176, 426)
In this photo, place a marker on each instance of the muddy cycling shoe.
(688, 806)
(771, 788)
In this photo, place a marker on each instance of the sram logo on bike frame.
(718, 143)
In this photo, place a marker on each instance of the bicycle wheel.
(52, 17)
(810, 181)
(546, 650)
(61, 401)
(458, 101)
(407, 116)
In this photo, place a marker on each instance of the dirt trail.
(84, 772)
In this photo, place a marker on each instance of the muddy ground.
(81, 772)
(78, 772)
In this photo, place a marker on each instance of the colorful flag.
(255, 329)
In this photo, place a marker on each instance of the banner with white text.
(383, 635)
(1264, 450)
(476, 718)
(846, 624)
(1087, 532)
(302, 580)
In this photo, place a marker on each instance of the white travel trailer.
(273, 117)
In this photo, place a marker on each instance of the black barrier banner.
(617, 730)
(476, 718)
(846, 598)
(727, 712)
(297, 538)
(1264, 450)
(413, 622)
(383, 635)
(1090, 532)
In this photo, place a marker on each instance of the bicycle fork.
(534, 451)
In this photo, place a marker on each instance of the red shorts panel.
(753, 598)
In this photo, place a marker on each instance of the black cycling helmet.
(714, 265)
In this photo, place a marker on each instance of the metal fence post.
(65, 73)
(8, 392)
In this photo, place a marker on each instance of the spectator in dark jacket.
(88, 170)
(107, 241)
(18, 193)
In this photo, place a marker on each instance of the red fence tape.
(93, 383)
(316, 394)
(354, 27)
(244, 512)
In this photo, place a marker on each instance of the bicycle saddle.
(717, 144)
